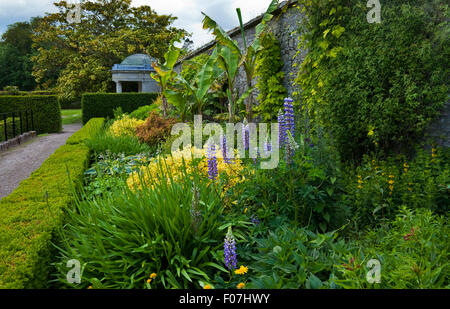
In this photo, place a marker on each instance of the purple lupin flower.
(267, 148)
(255, 160)
(289, 115)
(226, 159)
(282, 129)
(246, 136)
(212, 162)
(254, 219)
(229, 250)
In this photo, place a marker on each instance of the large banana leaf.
(221, 35)
(207, 76)
(229, 61)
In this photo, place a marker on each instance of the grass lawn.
(71, 116)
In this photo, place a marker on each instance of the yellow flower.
(241, 271)
(90, 287)
(391, 187)
(125, 126)
(153, 276)
(207, 287)
(391, 176)
(360, 187)
(391, 182)
(245, 210)
(173, 164)
(149, 280)
(241, 285)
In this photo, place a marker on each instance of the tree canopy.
(77, 57)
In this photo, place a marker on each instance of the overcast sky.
(187, 11)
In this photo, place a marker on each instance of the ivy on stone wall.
(269, 78)
(374, 87)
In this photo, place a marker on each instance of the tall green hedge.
(46, 110)
(103, 104)
(32, 214)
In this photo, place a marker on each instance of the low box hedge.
(46, 110)
(32, 214)
(103, 104)
(88, 130)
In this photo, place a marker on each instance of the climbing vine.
(270, 78)
(374, 87)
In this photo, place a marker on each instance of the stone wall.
(282, 26)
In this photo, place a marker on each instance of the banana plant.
(229, 61)
(165, 73)
(247, 56)
(197, 89)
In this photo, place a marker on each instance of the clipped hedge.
(32, 214)
(86, 132)
(103, 104)
(46, 110)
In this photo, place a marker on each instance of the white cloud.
(188, 12)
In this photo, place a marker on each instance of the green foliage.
(192, 67)
(377, 190)
(109, 170)
(247, 56)
(103, 104)
(291, 258)
(312, 190)
(413, 252)
(270, 78)
(104, 141)
(90, 129)
(192, 97)
(143, 112)
(15, 55)
(46, 110)
(124, 237)
(374, 87)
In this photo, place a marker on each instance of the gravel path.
(19, 162)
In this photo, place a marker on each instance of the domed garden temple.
(133, 74)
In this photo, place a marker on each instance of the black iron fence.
(15, 123)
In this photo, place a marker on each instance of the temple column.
(119, 87)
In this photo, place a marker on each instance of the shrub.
(155, 129)
(374, 87)
(143, 112)
(103, 104)
(184, 160)
(312, 190)
(104, 141)
(31, 215)
(90, 129)
(292, 258)
(172, 230)
(125, 126)
(413, 251)
(377, 189)
(46, 110)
